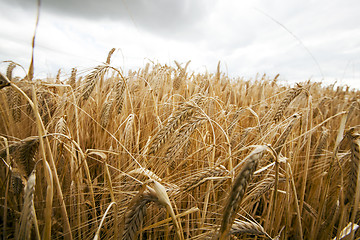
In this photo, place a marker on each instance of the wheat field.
(164, 153)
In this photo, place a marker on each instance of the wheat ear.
(175, 120)
(14, 97)
(16, 112)
(242, 227)
(61, 127)
(14, 100)
(201, 178)
(23, 153)
(322, 143)
(57, 79)
(4, 81)
(136, 213)
(178, 80)
(106, 112)
(292, 94)
(280, 142)
(353, 106)
(238, 189)
(261, 188)
(119, 97)
(111, 52)
(9, 70)
(129, 132)
(72, 80)
(17, 181)
(234, 121)
(92, 79)
(182, 137)
(28, 216)
(353, 165)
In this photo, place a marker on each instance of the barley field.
(165, 153)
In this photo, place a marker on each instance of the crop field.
(165, 153)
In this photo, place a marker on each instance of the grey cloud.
(164, 17)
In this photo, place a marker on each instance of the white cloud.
(236, 32)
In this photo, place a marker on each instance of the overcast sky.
(300, 40)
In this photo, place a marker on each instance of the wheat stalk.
(61, 128)
(145, 172)
(165, 201)
(97, 234)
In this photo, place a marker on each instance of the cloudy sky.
(300, 40)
